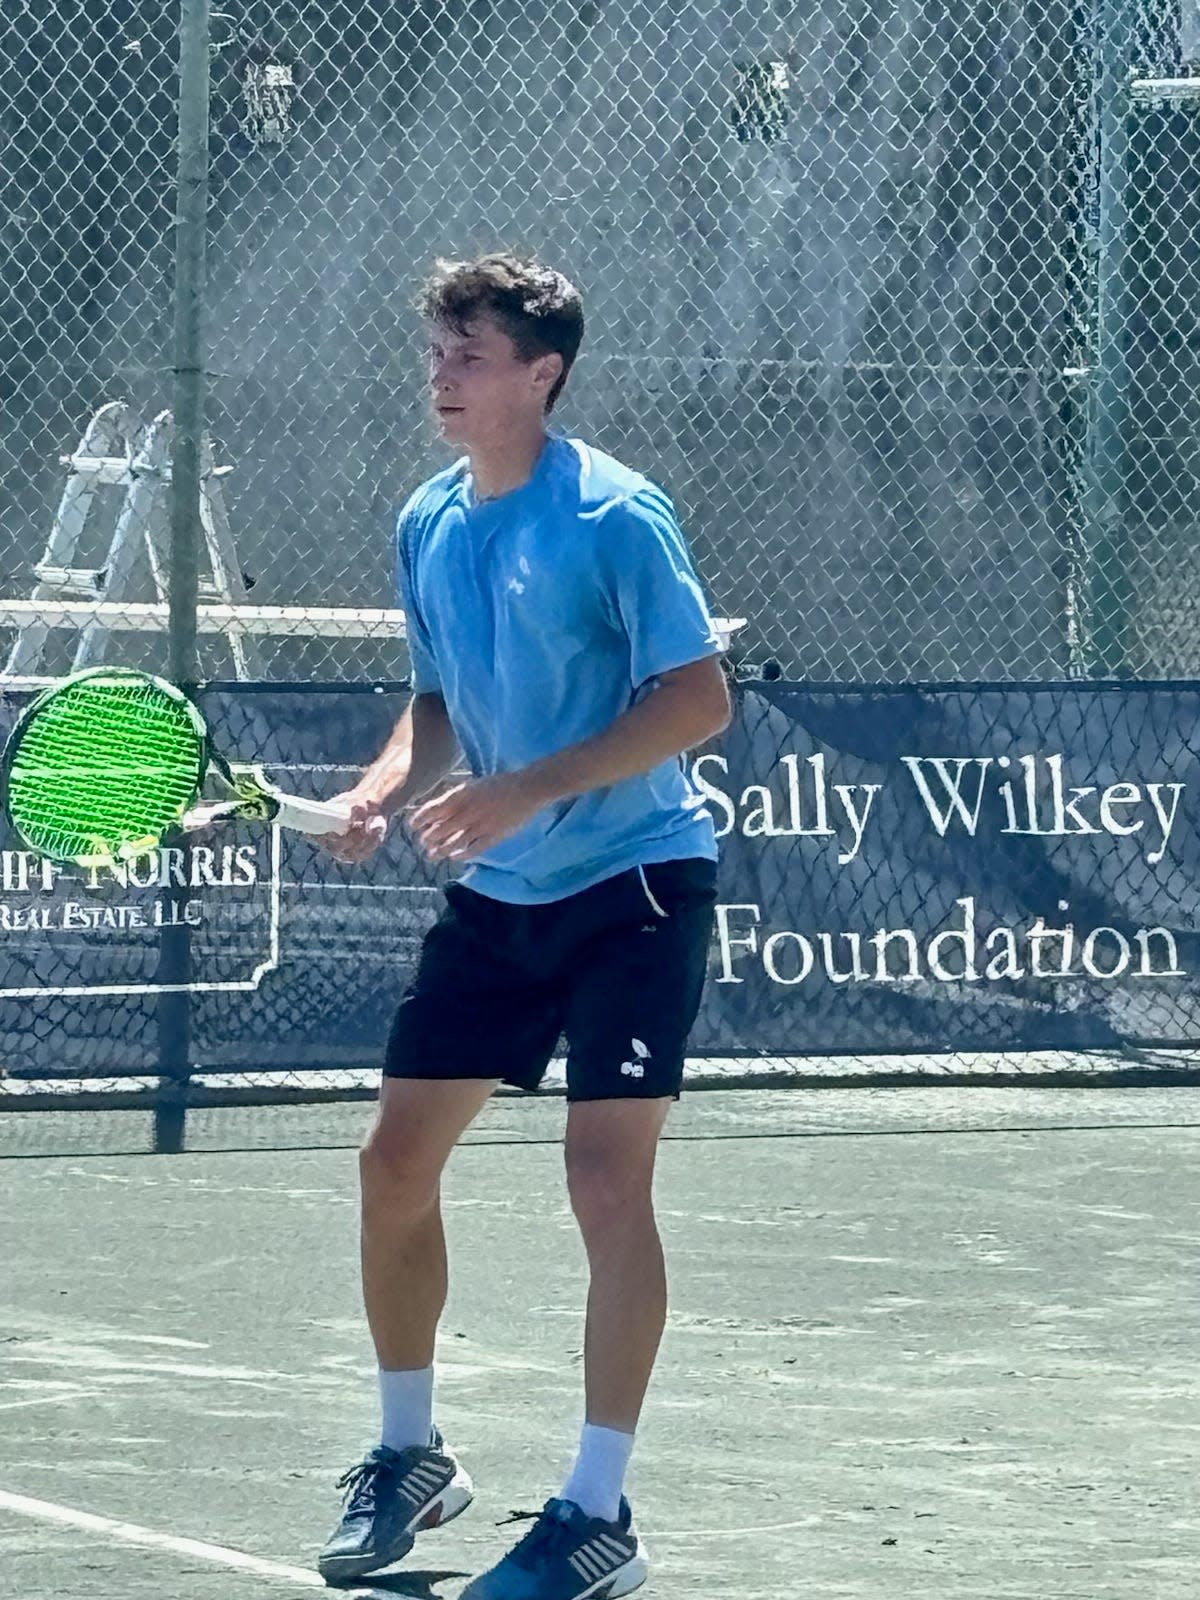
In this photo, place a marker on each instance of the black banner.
(917, 870)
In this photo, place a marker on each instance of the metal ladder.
(115, 449)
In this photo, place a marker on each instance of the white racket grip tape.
(311, 816)
(296, 812)
(320, 816)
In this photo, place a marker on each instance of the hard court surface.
(936, 1342)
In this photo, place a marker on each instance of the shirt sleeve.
(651, 587)
(422, 665)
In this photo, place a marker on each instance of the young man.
(559, 636)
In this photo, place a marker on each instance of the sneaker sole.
(452, 1501)
(624, 1581)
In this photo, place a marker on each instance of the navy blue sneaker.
(567, 1555)
(391, 1496)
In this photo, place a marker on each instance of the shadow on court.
(924, 1343)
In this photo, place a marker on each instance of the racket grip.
(315, 816)
(295, 812)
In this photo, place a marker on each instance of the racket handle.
(296, 812)
(317, 816)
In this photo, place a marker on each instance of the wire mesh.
(897, 301)
(842, 268)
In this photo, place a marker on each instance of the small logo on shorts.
(634, 1069)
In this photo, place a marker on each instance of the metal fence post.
(1107, 465)
(174, 1009)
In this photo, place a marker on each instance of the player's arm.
(653, 595)
(688, 705)
(422, 748)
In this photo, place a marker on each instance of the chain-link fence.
(897, 301)
(909, 342)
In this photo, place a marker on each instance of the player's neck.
(507, 464)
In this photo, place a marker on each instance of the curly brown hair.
(539, 309)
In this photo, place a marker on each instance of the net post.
(183, 577)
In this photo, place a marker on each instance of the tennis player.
(559, 639)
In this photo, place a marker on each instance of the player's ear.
(548, 369)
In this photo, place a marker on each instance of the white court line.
(47, 1399)
(732, 1533)
(131, 1533)
(99, 1360)
(162, 1338)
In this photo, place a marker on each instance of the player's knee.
(397, 1177)
(607, 1189)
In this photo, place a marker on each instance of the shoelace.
(361, 1484)
(548, 1537)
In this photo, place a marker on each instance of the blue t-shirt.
(539, 617)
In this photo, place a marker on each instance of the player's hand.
(473, 816)
(367, 830)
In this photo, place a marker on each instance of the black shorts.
(618, 969)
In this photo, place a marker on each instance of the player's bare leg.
(411, 1481)
(403, 1243)
(611, 1147)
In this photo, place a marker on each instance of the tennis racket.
(108, 762)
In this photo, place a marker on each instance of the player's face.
(479, 388)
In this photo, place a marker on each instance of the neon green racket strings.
(103, 766)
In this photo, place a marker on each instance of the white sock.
(598, 1478)
(407, 1407)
